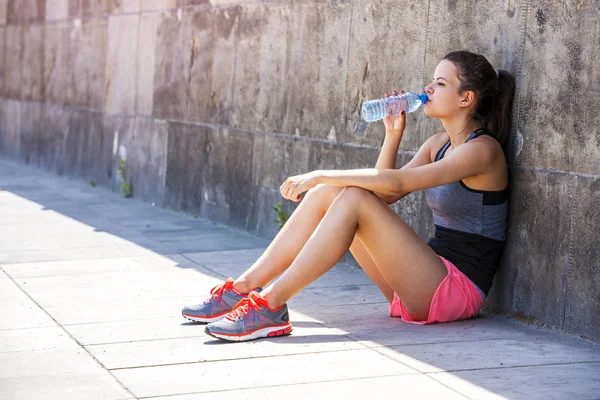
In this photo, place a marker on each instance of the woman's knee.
(324, 193)
(354, 193)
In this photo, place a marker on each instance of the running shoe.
(251, 319)
(223, 298)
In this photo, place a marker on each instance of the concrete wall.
(213, 104)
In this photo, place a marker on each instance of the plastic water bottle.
(375, 110)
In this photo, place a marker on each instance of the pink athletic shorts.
(456, 298)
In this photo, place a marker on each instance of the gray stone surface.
(13, 61)
(99, 316)
(173, 58)
(560, 97)
(121, 64)
(227, 177)
(19, 11)
(3, 10)
(11, 127)
(261, 76)
(372, 70)
(33, 53)
(57, 10)
(186, 158)
(51, 138)
(142, 144)
(146, 59)
(57, 63)
(582, 274)
(204, 102)
(87, 147)
(531, 280)
(88, 47)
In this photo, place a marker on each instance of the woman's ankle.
(242, 286)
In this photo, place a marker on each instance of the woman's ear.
(468, 98)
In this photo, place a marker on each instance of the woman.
(464, 173)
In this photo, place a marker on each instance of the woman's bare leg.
(293, 236)
(406, 262)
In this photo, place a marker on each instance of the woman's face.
(443, 92)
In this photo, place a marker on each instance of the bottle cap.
(423, 97)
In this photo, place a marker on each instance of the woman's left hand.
(294, 186)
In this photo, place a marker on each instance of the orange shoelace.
(242, 308)
(218, 290)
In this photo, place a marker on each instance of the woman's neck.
(459, 130)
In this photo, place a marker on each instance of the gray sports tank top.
(456, 206)
(470, 226)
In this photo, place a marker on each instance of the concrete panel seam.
(525, 7)
(427, 36)
(568, 271)
(549, 170)
(344, 105)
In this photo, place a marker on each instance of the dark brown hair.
(493, 94)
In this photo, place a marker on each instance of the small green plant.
(92, 183)
(125, 186)
(281, 215)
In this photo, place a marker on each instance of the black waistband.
(476, 256)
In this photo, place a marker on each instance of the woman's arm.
(467, 160)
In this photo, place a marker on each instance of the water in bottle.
(375, 110)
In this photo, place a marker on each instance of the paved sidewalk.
(92, 284)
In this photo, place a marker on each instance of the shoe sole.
(273, 331)
(204, 320)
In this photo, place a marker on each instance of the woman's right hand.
(395, 124)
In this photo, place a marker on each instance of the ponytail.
(494, 93)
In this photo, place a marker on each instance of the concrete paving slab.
(18, 311)
(405, 386)
(565, 381)
(77, 254)
(492, 353)
(73, 313)
(133, 331)
(69, 360)
(335, 296)
(81, 267)
(371, 324)
(151, 329)
(234, 263)
(118, 286)
(259, 372)
(50, 338)
(82, 386)
(306, 338)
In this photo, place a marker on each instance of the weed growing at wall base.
(281, 215)
(125, 186)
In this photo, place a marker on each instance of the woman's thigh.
(412, 269)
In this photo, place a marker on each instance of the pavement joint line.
(31, 327)
(4, 264)
(72, 337)
(199, 325)
(513, 367)
(248, 358)
(393, 346)
(284, 384)
(202, 265)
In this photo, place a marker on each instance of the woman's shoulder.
(435, 143)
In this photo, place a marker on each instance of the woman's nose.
(428, 89)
